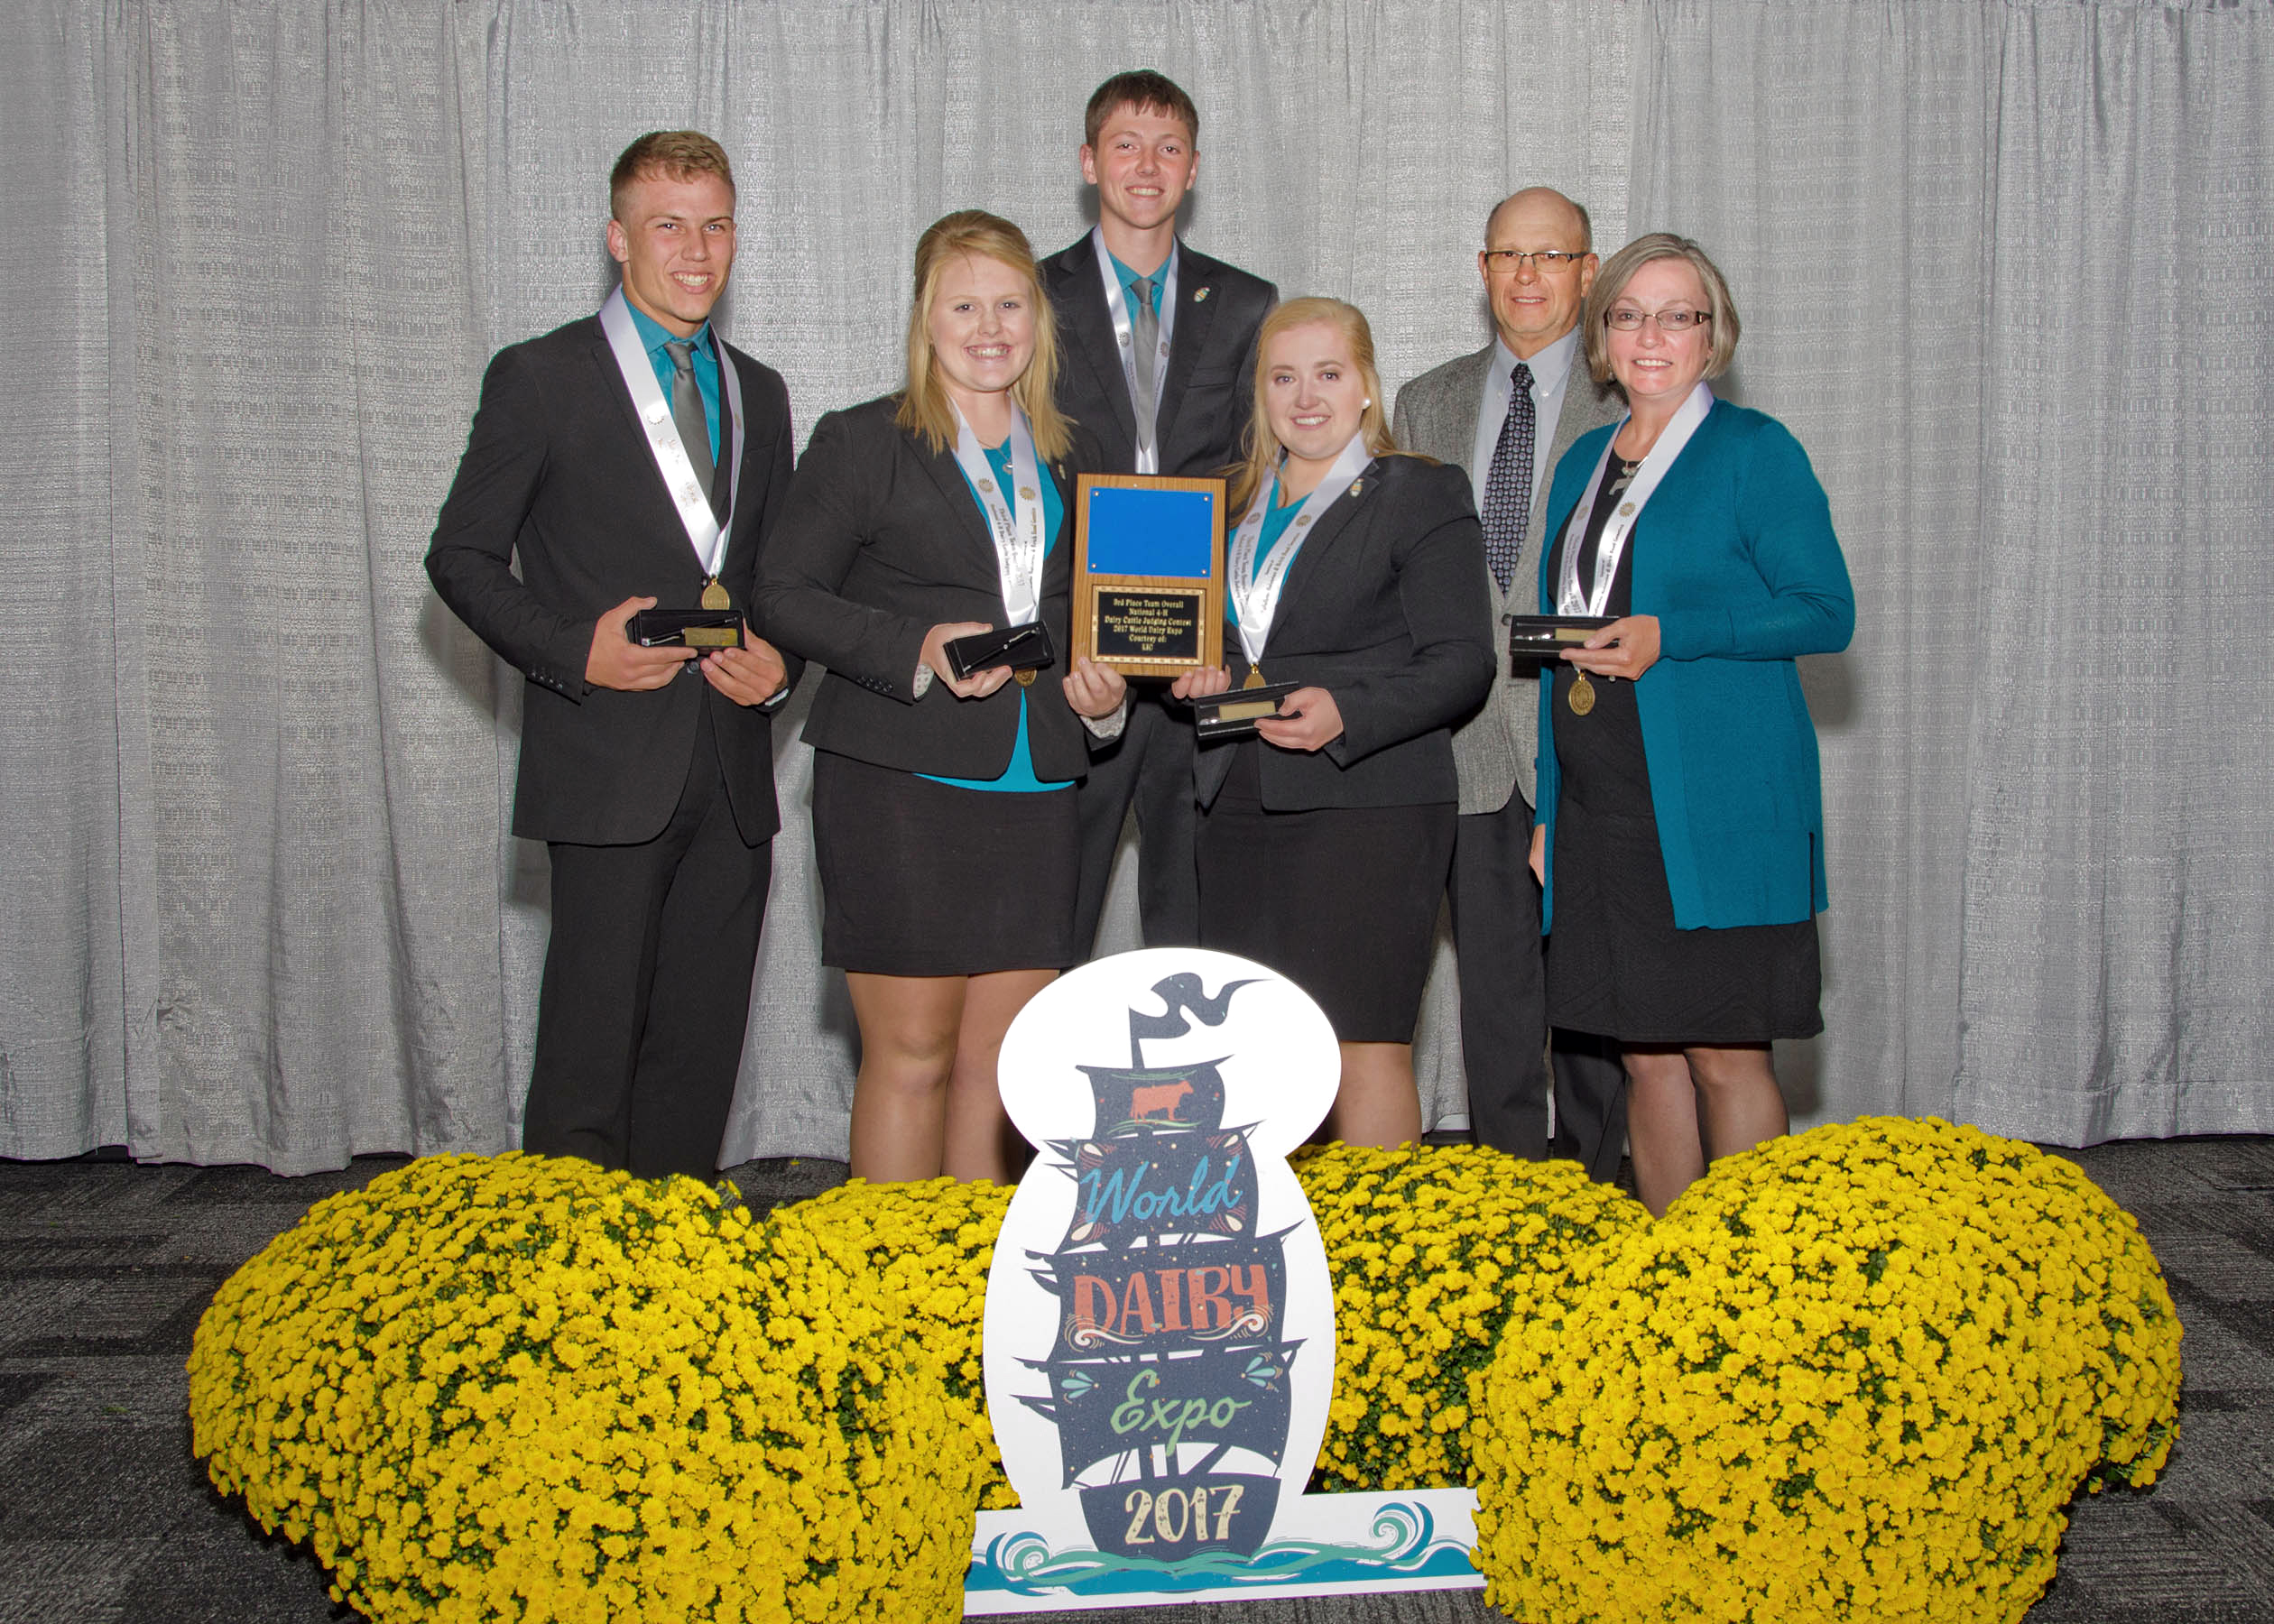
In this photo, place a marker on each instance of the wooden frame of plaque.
(1148, 573)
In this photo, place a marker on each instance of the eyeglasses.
(1628, 320)
(1549, 261)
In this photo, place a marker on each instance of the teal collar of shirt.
(1130, 279)
(654, 335)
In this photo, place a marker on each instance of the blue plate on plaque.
(1142, 531)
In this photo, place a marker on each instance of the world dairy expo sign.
(1160, 1338)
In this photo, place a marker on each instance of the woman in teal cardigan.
(1680, 842)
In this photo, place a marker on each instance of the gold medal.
(715, 595)
(1025, 678)
(1254, 678)
(1582, 696)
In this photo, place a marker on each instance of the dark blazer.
(556, 470)
(880, 541)
(1385, 608)
(1211, 357)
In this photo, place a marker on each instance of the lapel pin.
(1357, 486)
(1199, 295)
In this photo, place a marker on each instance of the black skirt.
(1343, 901)
(1617, 965)
(920, 878)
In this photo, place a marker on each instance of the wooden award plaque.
(1149, 573)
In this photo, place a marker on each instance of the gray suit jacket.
(1493, 750)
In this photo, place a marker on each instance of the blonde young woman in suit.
(1325, 841)
(943, 807)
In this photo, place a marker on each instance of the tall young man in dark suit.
(1158, 347)
(1506, 413)
(632, 460)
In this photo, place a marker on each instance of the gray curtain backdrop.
(2003, 267)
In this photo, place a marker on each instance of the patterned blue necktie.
(1508, 486)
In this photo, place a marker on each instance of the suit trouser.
(1504, 1008)
(647, 987)
(1150, 764)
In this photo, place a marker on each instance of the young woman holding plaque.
(943, 805)
(1358, 573)
(1681, 827)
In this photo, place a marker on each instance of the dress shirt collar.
(1549, 367)
(654, 335)
(1129, 278)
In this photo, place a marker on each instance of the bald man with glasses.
(1506, 413)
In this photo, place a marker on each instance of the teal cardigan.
(1734, 554)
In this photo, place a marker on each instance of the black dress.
(1617, 965)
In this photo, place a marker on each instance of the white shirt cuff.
(1109, 726)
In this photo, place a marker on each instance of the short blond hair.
(1257, 469)
(1619, 270)
(678, 154)
(925, 409)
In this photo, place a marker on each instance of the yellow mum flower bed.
(522, 1388)
(1856, 1374)
(1433, 1252)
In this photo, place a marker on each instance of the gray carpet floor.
(105, 1518)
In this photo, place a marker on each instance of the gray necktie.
(1144, 333)
(686, 409)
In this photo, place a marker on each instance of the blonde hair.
(676, 154)
(1619, 270)
(925, 409)
(1260, 464)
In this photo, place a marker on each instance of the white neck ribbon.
(1255, 592)
(1125, 341)
(1570, 597)
(1016, 525)
(704, 531)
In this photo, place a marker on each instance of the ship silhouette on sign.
(1167, 1355)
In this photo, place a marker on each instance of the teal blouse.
(1018, 778)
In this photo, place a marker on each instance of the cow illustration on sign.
(1160, 1342)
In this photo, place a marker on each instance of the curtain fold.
(2000, 263)
(326, 930)
(63, 1023)
(2118, 925)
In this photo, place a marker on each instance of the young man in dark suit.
(1158, 344)
(1538, 263)
(634, 459)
